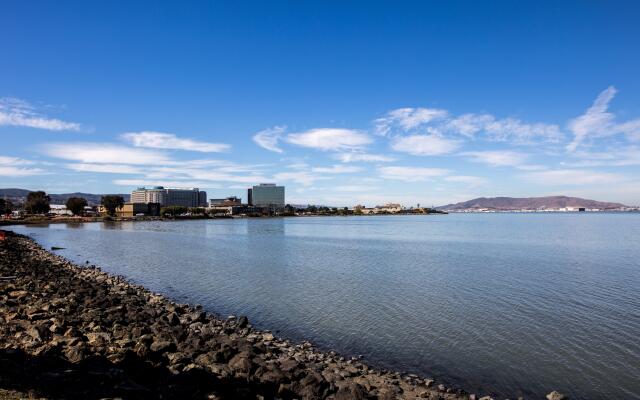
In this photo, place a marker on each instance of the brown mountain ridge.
(530, 203)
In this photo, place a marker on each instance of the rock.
(173, 319)
(556, 396)
(162, 346)
(242, 322)
(241, 363)
(75, 354)
(351, 392)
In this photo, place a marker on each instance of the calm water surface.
(513, 304)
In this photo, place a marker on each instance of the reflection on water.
(514, 304)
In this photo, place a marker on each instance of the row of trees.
(39, 202)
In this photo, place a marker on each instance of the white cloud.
(562, 177)
(4, 160)
(441, 122)
(497, 158)
(15, 112)
(468, 124)
(406, 119)
(105, 168)
(15, 171)
(411, 174)
(14, 167)
(511, 129)
(425, 145)
(336, 139)
(364, 157)
(269, 138)
(104, 153)
(159, 140)
(596, 121)
(337, 169)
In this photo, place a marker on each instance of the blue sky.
(342, 102)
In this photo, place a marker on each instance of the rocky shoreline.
(75, 332)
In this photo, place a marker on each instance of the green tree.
(37, 203)
(111, 203)
(76, 205)
(5, 206)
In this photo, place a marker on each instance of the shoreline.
(128, 342)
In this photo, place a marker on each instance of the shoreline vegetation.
(70, 331)
(77, 332)
(38, 220)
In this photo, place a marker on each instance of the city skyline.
(342, 105)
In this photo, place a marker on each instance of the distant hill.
(20, 195)
(529, 203)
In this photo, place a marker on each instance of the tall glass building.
(266, 195)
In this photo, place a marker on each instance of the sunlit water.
(512, 304)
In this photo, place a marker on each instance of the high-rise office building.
(266, 195)
(192, 197)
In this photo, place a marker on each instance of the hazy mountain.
(529, 203)
(20, 195)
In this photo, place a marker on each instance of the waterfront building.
(59, 209)
(134, 209)
(266, 195)
(192, 197)
(228, 201)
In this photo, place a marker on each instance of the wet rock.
(242, 322)
(556, 396)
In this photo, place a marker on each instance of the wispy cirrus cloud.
(425, 145)
(18, 167)
(497, 158)
(336, 169)
(105, 168)
(363, 157)
(104, 153)
(169, 141)
(406, 119)
(598, 122)
(330, 139)
(19, 113)
(269, 138)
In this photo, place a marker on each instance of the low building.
(134, 209)
(59, 209)
(389, 208)
(228, 201)
(166, 197)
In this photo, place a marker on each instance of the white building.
(59, 209)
